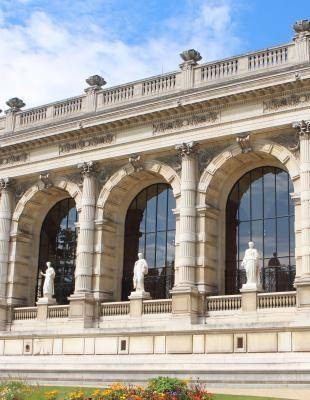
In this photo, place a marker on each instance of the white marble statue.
(251, 265)
(139, 271)
(48, 286)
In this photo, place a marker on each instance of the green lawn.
(38, 394)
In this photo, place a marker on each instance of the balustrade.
(276, 300)
(68, 107)
(58, 311)
(223, 303)
(157, 306)
(114, 309)
(118, 94)
(219, 70)
(23, 313)
(268, 58)
(32, 116)
(159, 84)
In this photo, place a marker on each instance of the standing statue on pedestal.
(139, 271)
(251, 265)
(48, 286)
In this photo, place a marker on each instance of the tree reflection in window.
(150, 228)
(259, 208)
(58, 245)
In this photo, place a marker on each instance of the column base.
(249, 297)
(185, 300)
(82, 308)
(136, 302)
(42, 305)
(302, 285)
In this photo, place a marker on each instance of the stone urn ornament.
(15, 104)
(96, 81)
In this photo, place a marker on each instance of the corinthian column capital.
(87, 168)
(187, 149)
(6, 183)
(302, 127)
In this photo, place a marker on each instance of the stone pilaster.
(184, 293)
(85, 244)
(95, 83)
(190, 59)
(302, 40)
(302, 282)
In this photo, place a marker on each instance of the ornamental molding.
(187, 149)
(45, 179)
(302, 127)
(84, 144)
(87, 168)
(192, 120)
(284, 102)
(6, 183)
(12, 159)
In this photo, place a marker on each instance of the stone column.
(302, 282)
(6, 211)
(184, 293)
(81, 302)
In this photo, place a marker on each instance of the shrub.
(14, 390)
(173, 387)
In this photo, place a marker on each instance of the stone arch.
(113, 202)
(28, 216)
(214, 187)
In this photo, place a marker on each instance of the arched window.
(58, 245)
(259, 208)
(150, 229)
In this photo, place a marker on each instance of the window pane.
(244, 198)
(269, 192)
(150, 249)
(270, 243)
(257, 236)
(171, 206)
(162, 208)
(151, 209)
(282, 195)
(257, 194)
(161, 250)
(244, 238)
(283, 245)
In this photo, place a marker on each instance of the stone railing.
(204, 75)
(58, 311)
(114, 309)
(157, 306)
(224, 303)
(276, 300)
(268, 58)
(23, 313)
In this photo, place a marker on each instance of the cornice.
(148, 111)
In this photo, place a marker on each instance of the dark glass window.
(58, 245)
(150, 229)
(259, 208)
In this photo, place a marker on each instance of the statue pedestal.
(249, 297)
(136, 302)
(42, 304)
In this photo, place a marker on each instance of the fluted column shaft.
(85, 245)
(304, 134)
(6, 210)
(187, 234)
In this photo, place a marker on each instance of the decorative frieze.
(291, 100)
(83, 144)
(186, 122)
(12, 159)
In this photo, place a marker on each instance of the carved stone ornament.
(206, 155)
(172, 160)
(96, 81)
(185, 122)
(303, 127)
(6, 183)
(285, 102)
(45, 179)
(105, 173)
(244, 142)
(290, 141)
(87, 168)
(14, 158)
(15, 104)
(187, 149)
(136, 161)
(302, 27)
(191, 55)
(84, 144)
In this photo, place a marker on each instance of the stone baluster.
(186, 260)
(85, 245)
(302, 282)
(6, 210)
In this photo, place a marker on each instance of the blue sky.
(49, 47)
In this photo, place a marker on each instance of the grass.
(38, 393)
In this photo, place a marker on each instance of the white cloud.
(44, 60)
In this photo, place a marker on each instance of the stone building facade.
(186, 167)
